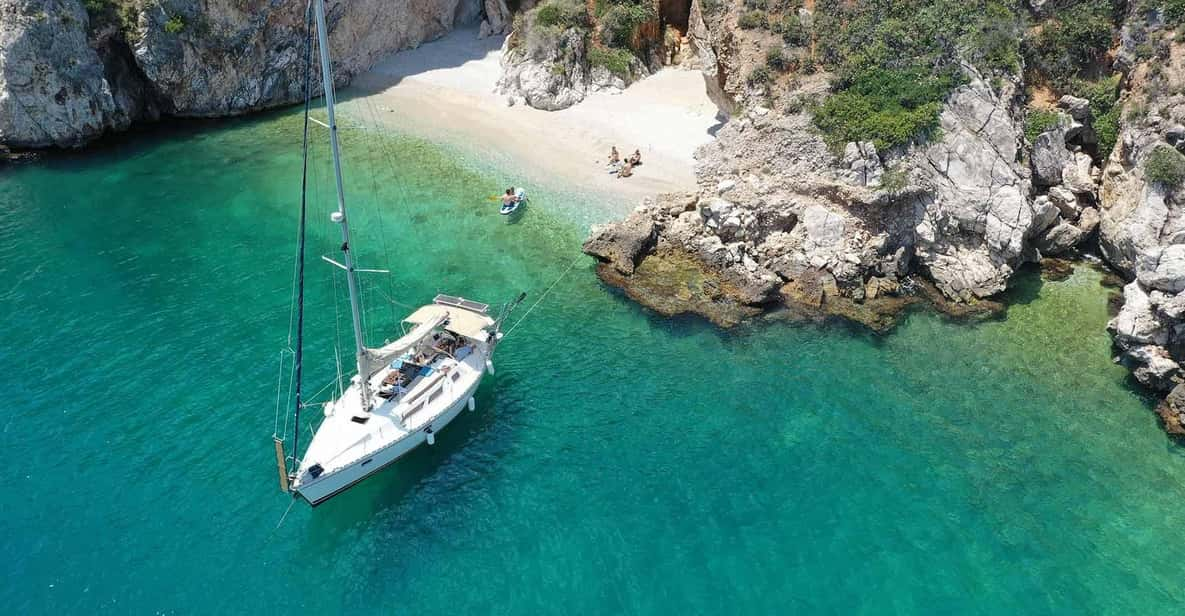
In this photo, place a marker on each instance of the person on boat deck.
(636, 158)
(614, 157)
(509, 199)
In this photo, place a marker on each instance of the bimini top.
(460, 321)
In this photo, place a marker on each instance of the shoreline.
(444, 91)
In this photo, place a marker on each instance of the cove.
(617, 462)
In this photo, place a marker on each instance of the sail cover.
(462, 322)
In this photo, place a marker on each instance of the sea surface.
(618, 462)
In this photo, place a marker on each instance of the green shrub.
(753, 20)
(616, 60)
(1106, 128)
(1102, 94)
(888, 107)
(175, 24)
(1075, 39)
(1174, 12)
(1038, 121)
(542, 41)
(761, 75)
(993, 42)
(776, 60)
(562, 13)
(619, 23)
(1165, 166)
(757, 5)
(792, 31)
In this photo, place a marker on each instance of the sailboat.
(405, 391)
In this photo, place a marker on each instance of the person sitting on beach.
(614, 157)
(636, 158)
(626, 170)
(509, 199)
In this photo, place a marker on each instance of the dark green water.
(618, 462)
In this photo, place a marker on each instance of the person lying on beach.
(614, 157)
(636, 158)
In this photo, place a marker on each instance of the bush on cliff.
(896, 62)
(620, 21)
(617, 61)
(752, 20)
(1038, 121)
(888, 107)
(562, 13)
(1165, 166)
(1074, 41)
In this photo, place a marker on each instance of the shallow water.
(618, 462)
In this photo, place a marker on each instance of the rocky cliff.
(1069, 148)
(70, 72)
(1142, 233)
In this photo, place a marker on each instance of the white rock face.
(1142, 226)
(979, 215)
(550, 71)
(217, 58)
(863, 164)
(1165, 272)
(53, 90)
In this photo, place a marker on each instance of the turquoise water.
(618, 462)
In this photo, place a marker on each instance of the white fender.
(431, 438)
(472, 404)
(490, 366)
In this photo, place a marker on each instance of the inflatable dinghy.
(520, 197)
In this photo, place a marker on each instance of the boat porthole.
(366, 462)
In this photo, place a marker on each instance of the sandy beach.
(445, 90)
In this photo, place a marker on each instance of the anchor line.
(543, 296)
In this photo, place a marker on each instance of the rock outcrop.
(551, 67)
(780, 219)
(66, 77)
(1142, 231)
(54, 88)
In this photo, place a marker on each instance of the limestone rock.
(497, 18)
(973, 232)
(198, 59)
(1078, 108)
(1077, 175)
(1067, 204)
(1136, 324)
(863, 164)
(1045, 213)
(1088, 221)
(53, 90)
(622, 244)
(1050, 154)
(1166, 272)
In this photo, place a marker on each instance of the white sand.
(445, 90)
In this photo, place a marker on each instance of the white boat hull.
(331, 484)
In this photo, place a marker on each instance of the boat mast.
(340, 216)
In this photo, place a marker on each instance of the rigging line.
(541, 297)
(384, 152)
(378, 209)
(313, 397)
(298, 355)
(285, 516)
